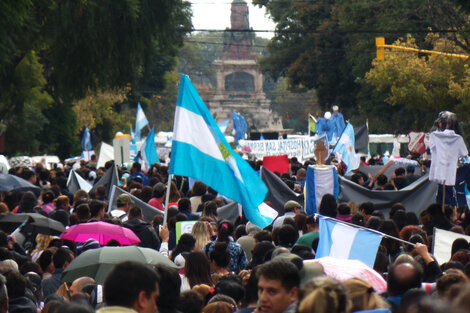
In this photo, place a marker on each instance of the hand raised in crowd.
(164, 233)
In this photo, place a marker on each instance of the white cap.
(335, 108)
(327, 115)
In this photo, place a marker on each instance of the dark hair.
(382, 180)
(397, 206)
(367, 207)
(184, 204)
(225, 229)
(45, 259)
(185, 244)
(358, 219)
(220, 255)
(411, 218)
(210, 209)
(61, 216)
(61, 256)
(399, 285)
(134, 212)
(344, 209)
(283, 270)
(231, 288)
(240, 231)
(261, 252)
(83, 212)
(126, 281)
(95, 207)
(328, 206)
(100, 192)
(400, 219)
(459, 244)
(399, 171)
(197, 269)
(374, 222)
(263, 235)
(288, 236)
(170, 282)
(16, 284)
(190, 301)
(199, 188)
(355, 177)
(27, 203)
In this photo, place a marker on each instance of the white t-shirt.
(446, 148)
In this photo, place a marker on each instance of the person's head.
(184, 205)
(170, 281)
(292, 206)
(210, 209)
(28, 202)
(190, 301)
(403, 276)
(100, 192)
(278, 285)
(185, 244)
(135, 212)
(159, 190)
(328, 206)
(232, 287)
(219, 256)
(224, 230)
(324, 295)
(124, 202)
(96, 209)
(62, 258)
(400, 172)
(78, 285)
(136, 167)
(287, 236)
(357, 178)
(83, 212)
(197, 269)
(366, 209)
(201, 234)
(362, 296)
(132, 285)
(382, 180)
(458, 244)
(199, 188)
(62, 202)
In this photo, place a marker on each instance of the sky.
(215, 14)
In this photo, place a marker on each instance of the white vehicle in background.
(48, 161)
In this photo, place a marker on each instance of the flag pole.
(167, 197)
(368, 229)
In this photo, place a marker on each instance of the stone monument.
(239, 79)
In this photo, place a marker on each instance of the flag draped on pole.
(76, 182)
(148, 211)
(344, 149)
(239, 125)
(86, 140)
(343, 241)
(140, 121)
(201, 151)
(320, 181)
(361, 138)
(148, 151)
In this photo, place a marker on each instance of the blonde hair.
(201, 233)
(362, 296)
(4, 208)
(324, 295)
(42, 242)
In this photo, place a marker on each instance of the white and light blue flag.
(201, 151)
(344, 149)
(320, 180)
(344, 241)
(140, 121)
(148, 151)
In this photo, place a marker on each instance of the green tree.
(86, 46)
(419, 86)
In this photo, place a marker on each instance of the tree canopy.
(78, 49)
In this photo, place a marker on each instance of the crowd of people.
(221, 265)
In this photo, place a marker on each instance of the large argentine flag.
(344, 149)
(140, 121)
(342, 241)
(148, 150)
(201, 151)
(320, 180)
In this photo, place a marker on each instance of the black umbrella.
(36, 223)
(10, 182)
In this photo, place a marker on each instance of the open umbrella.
(98, 263)
(342, 270)
(37, 223)
(101, 231)
(10, 182)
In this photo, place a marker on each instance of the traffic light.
(380, 43)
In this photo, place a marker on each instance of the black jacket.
(146, 233)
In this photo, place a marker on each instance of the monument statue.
(238, 44)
